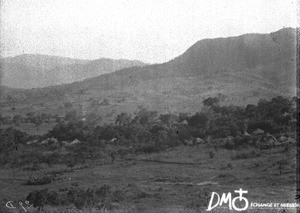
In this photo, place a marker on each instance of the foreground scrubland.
(147, 162)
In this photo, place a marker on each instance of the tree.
(106, 133)
(93, 120)
(198, 120)
(144, 116)
(9, 98)
(45, 117)
(223, 125)
(283, 105)
(68, 105)
(71, 163)
(168, 119)
(38, 198)
(279, 110)
(17, 120)
(71, 116)
(264, 125)
(37, 120)
(31, 117)
(183, 116)
(70, 131)
(250, 111)
(183, 132)
(211, 102)
(123, 119)
(5, 120)
(105, 102)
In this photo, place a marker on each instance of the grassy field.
(177, 180)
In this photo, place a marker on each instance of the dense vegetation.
(145, 131)
(75, 140)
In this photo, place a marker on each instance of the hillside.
(239, 70)
(33, 71)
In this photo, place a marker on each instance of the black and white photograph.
(149, 106)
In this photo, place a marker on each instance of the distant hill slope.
(265, 60)
(32, 71)
(238, 70)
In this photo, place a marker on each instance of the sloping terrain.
(238, 70)
(32, 71)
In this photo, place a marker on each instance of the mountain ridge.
(240, 69)
(37, 70)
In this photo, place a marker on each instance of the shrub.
(103, 191)
(211, 154)
(147, 149)
(245, 155)
(71, 163)
(54, 198)
(117, 196)
(40, 181)
(198, 200)
(229, 165)
(104, 197)
(38, 198)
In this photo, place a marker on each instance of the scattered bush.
(245, 155)
(103, 197)
(147, 149)
(40, 181)
(198, 200)
(38, 198)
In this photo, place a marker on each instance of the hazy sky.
(149, 30)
